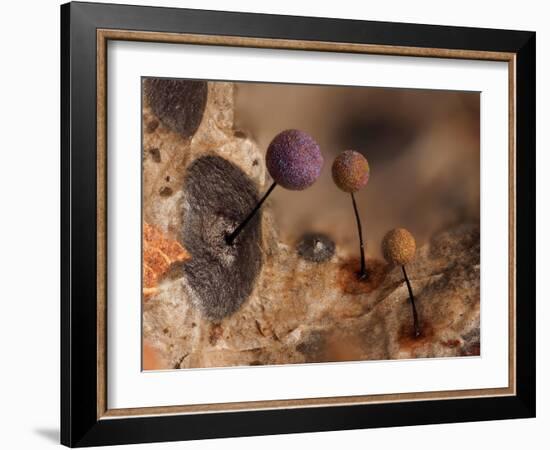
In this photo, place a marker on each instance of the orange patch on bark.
(409, 342)
(343, 348)
(349, 281)
(451, 343)
(216, 332)
(149, 276)
(159, 253)
(151, 358)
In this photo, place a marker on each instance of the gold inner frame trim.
(103, 36)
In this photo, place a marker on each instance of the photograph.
(301, 223)
(285, 221)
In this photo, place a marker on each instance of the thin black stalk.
(230, 238)
(363, 271)
(415, 314)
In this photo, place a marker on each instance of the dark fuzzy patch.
(471, 345)
(179, 104)
(315, 247)
(463, 241)
(218, 195)
(471, 350)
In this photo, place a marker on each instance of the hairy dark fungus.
(315, 247)
(220, 277)
(179, 104)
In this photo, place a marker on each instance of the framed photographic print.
(276, 224)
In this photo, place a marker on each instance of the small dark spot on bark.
(216, 332)
(473, 349)
(175, 271)
(255, 162)
(239, 134)
(259, 328)
(255, 363)
(219, 277)
(165, 331)
(179, 104)
(315, 247)
(151, 126)
(313, 346)
(451, 343)
(193, 325)
(166, 191)
(155, 154)
(167, 179)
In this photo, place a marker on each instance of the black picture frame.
(80, 425)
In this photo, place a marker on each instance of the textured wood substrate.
(299, 311)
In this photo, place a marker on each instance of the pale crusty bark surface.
(299, 311)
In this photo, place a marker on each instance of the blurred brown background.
(422, 147)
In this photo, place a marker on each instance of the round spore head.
(398, 246)
(294, 160)
(350, 171)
